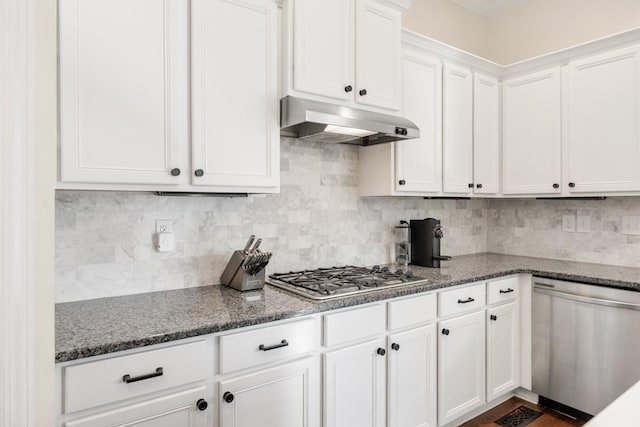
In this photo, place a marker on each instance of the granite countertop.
(106, 325)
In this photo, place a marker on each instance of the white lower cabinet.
(379, 365)
(503, 354)
(284, 396)
(461, 366)
(411, 391)
(179, 409)
(354, 386)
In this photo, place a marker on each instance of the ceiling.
(489, 7)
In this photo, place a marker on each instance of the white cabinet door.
(457, 134)
(461, 366)
(503, 350)
(123, 91)
(531, 120)
(285, 396)
(378, 55)
(412, 388)
(486, 134)
(419, 161)
(236, 133)
(601, 122)
(323, 47)
(354, 386)
(174, 410)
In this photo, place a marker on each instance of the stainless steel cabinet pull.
(460, 301)
(128, 379)
(508, 291)
(263, 347)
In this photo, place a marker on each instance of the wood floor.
(549, 419)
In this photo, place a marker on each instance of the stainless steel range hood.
(323, 122)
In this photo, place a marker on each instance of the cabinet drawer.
(412, 311)
(105, 381)
(461, 300)
(251, 348)
(502, 290)
(354, 324)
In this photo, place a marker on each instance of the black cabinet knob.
(362, 92)
(572, 184)
(175, 172)
(493, 317)
(381, 351)
(348, 88)
(228, 397)
(478, 185)
(556, 186)
(471, 185)
(445, 332)
(199, 172)
(395, 346)
(202, 404)
(402, 182)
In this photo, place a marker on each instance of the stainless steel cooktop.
(336, 282)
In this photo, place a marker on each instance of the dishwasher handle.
(588, 300)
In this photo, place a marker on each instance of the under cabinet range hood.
(323, 122)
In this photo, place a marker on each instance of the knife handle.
(249, 243)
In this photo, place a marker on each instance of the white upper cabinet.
(601, 122)
(323, 60)
(125, 95)
(378, 55)
(457, 130)
(419, 161)
(345, 51)
(235, 131)
(123, 91)
(486, 134)
(531, 144)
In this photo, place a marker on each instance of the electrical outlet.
(584, 224)
(164, 226)
(165, 242)
(569, 223)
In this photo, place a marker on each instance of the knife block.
(237, 278)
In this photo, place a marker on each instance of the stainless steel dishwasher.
(585, 343)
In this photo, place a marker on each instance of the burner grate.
(339, 281)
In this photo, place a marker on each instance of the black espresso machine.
(425, 242)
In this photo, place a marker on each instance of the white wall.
(537, 27)
(450, 23)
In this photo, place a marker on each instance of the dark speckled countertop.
(106, 325)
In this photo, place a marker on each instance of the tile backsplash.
(534, 228)
(104, 240)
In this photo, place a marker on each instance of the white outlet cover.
(583, 224)
(165, 242)
(569, 223)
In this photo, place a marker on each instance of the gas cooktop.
(336, 282)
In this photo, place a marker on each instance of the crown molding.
(400, 5)
(564, 56)
(560, 57)
(450, 53)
